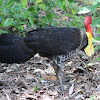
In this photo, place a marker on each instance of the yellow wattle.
(89, 50)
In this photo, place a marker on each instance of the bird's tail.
(13, 49)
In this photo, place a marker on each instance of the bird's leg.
(58, 71)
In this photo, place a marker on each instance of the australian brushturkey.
(56, 43)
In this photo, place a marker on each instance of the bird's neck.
(89, 49)
(88, 30)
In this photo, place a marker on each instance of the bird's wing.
(54, 41)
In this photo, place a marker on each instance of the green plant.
(35, 88)
(17, 14)
(22, 15)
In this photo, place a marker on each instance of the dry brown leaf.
(50, 78)
(64, 17)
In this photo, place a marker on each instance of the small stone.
(81, 53)
(84, 57)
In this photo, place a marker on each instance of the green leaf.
(1, 2)
(35, 88)
(95, 21)
(26, 14)
(61, 4)
(96, 48)
(21, 23)
(95, 2)
(43, 6)
(98, 58)
(96, 39)
(24, 3)
(31, 20)
(8, 22)
(49, 16)
(54, 15)
(97, 26)
(18, 16)
(98, 31)
(70, 1)
(2, 31)
(87, 9)
(38, 1)
(20, 27)
(73, 12)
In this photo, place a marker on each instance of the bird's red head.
(87, 22)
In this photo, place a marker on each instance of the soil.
(36, 80)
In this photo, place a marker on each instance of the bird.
(56, 43)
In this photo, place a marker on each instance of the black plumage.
(58, 44)
(48, 42)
